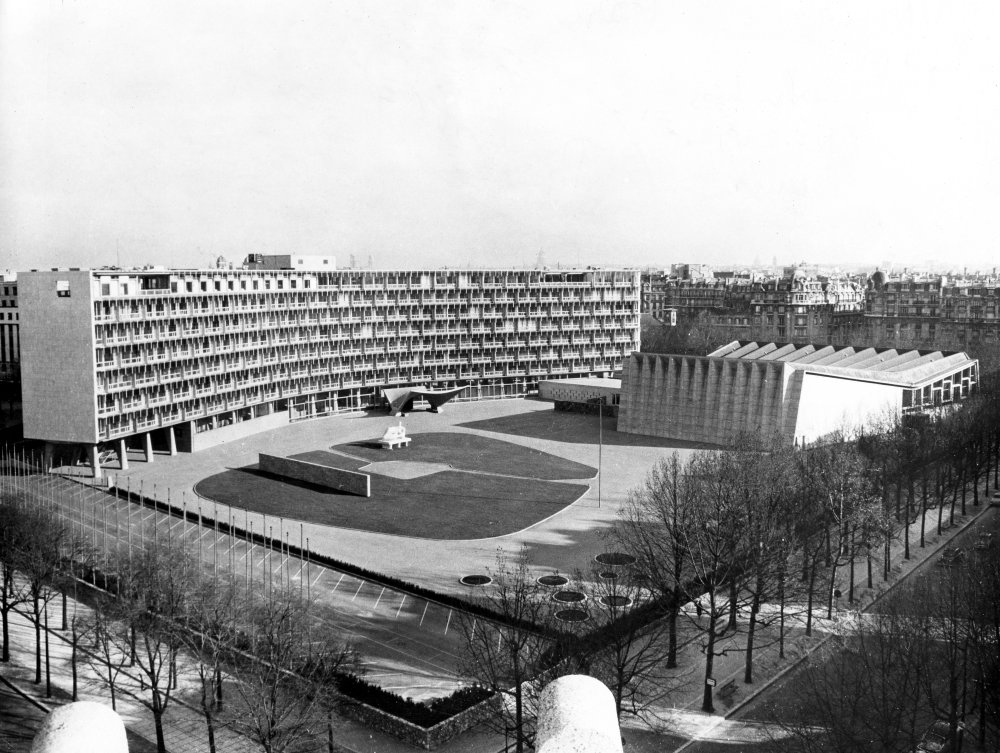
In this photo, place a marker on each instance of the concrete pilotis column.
(122, 455)
(95, 461)
(173, 440)
(147, 439)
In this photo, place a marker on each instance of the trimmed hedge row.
(424, 714)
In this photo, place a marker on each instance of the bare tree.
(654, 525)
(285, 666)
(862, 691)
(766, 490)
(508, 655)
(45, 558)
(716, 546)
(14, 537)
(145, 619)
(99, 633)
(626, 650)
(213, 626)
(839, 481)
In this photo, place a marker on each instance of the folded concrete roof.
(908, 368)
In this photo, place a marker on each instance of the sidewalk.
(184, 728)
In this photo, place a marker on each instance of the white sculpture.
(395, 436)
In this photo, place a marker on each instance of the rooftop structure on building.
(303, 262)
(176, 360)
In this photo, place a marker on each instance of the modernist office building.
(181, 359)
(801, 393)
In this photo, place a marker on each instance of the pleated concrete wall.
(701, 399)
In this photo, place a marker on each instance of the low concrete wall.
(348, 482)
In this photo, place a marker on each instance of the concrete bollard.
(576, 714)
(81, 727)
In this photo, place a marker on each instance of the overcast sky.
(483, 133)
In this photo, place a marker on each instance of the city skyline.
(479, 135)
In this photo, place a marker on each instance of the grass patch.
(471, 452)
(446, 505)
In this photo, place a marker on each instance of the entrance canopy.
(401, 398)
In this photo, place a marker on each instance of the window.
(62, 288)
(218, 285)
(190, 286)
(105, 290)
(204, 286)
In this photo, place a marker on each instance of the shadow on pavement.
(573, 427)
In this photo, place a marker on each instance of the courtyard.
(544, 445)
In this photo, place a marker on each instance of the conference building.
(178, 360)
(800, 393)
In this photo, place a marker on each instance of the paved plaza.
(563, 542)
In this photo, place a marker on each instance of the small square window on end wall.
(62, 288)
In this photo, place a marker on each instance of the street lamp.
(600, 441)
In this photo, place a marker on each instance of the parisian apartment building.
(800, 305)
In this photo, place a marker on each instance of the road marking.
(321, 575)
(400, 606)
(360, 586)
(426, 604)
(378, 599)
(448, 623)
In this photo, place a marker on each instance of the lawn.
(471, 452)
(455, 504)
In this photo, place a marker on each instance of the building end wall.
(58, 365)
(829, 404)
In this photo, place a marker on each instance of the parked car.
(951, 556)
(935, 739)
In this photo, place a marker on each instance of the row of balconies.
(183, 304)
(187, 391)
(346, 360)
(232, 343)
(107, 337)
(324, 348)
